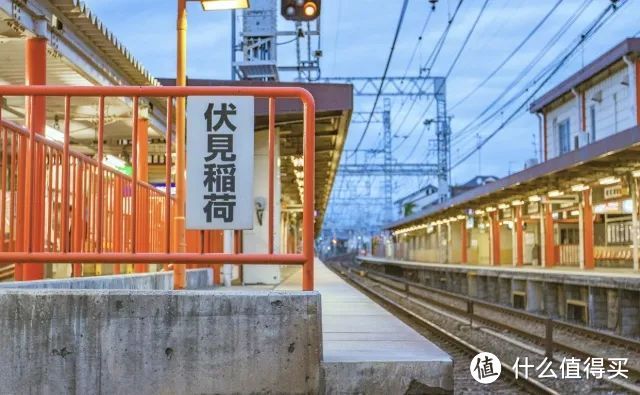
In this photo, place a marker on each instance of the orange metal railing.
(60, 206)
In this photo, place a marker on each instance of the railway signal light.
(300, 10)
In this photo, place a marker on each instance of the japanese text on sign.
(220, 162)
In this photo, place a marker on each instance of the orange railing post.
(35, 74)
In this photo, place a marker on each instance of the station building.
(575, 212)
(578, 208)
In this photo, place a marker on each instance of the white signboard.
(220, 162)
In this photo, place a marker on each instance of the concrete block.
(534, 296)
(504, 294)
(159, 342)
(613, 310)
(196, 279)
(550, 301)
(597, 305)
(386, 378)
(629, 302)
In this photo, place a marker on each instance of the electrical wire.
(508, 57)
(466, 130)
(386, 70)
(594, 27)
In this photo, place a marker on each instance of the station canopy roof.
(617, 154)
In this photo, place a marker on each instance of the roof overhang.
(615, 154)
(600, 65)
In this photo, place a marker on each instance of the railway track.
(445, 320)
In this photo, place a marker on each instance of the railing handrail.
(78, 155)
(157, 91)
(28, 247)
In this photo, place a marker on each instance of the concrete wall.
(159, 342)
(196, 278)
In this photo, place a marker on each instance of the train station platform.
(368, 350)
(618, 278)
(607, 299)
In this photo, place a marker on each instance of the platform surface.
(601, 277)
(364, 342)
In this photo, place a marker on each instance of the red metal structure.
(93, 214)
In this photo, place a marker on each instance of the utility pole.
(388, 176)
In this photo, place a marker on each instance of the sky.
(356, 39)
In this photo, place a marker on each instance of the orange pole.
(549, 244)
(35, 74)
(118, 220)
(519, 237)
(181, 80)
(308, 220)
(271, 169)
(78, 216)
(100, 192)
(495, 238)
(3, 202)
(21, 193)
(587, 227)
(66, 176)
(463, 241)
(167, 182)
(142, 173)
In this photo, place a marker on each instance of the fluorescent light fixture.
(579, 188)
(575, 213)
(451, 219)
(479, 212)
(635, 173)
(503, 206)
(216, 5)
(517, 203)
(490, 209)
(53, 134)
(555, 193)
(609, 180)
(534, 198)
(462, 216)
(113, 162)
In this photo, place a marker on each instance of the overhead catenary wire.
(483, 118)
(509, 56)
(433, 57)
(594, 27)
(384, 74)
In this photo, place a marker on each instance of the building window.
(564, 133)
(592, 121)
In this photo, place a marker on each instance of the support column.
(495, 238)
(519, 236)
(143, 209)
(36, 117)
(549, 244)
(635, 230)
(587, 226)
(463, 241)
